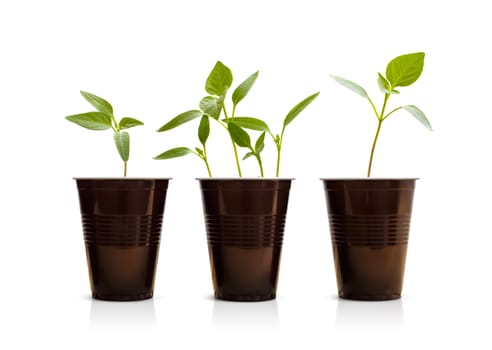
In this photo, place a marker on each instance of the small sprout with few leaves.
(401, 71)
(104, 119)
(212, 106)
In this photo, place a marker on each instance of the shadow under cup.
(245, 221)
(122, 221)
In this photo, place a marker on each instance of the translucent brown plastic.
(369, 224)
(122, 221)
(245, 221)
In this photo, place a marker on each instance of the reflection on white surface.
(249, 315)
(109, 315)
(367, 314)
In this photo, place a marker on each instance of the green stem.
(237, 158)
(233, 146)
(380, 122)
(279, 148)
(374, 147)
(373, 107)
(393, 111)
(258, 157)
(125, 167)
(206, 160)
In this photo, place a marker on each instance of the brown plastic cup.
(369, 223)
(245, 221)
(122, 221)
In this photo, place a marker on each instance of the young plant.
(218, 83)
(400, 72)
(104, 119)
(260, 125)
(212, 106)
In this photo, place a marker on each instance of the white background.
(150, 59)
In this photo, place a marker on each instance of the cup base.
(137, 297)
(368, 297)
(245, 298)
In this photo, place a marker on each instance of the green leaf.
(252, 124)
(127, 123)
(384, 85)
(239, 136)
(199, 151)
(351, 85)
(181, 119)
(122, 141)
(203, 129)
(174, 153)
(219, 80)
(406, 69)
(243, 88)
(91, 120)
(260, 143)
(247, 155)
(211, 105)
(294, 112)
(99, 103)
(419, 115)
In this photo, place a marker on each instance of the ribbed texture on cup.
(369, 224)
(374, 230)
(122, 221)
(122, 231)
(245, 230)
(245, 221)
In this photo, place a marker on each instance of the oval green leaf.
(252, 124)
(404, 70)
(294, 112)
(247, 155)
(419, 115)
(174, 153)
(97, 102)
(351, 85)
(127, 123)
(180, 119)
(122, 142)
(211, 105)
(243, 88)
(260, 143)
(203, 129)
(239, 136)
(199, 151)
(219, 80)
(91, 120)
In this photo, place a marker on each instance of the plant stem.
(258, 157)
(380, 122)
(279, 148)
(237, 158)
(233, 145)
(125, 166)
(206, 160)
(374, 147)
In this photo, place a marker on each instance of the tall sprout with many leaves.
(212, 106)
(103, 119)
(402, 71)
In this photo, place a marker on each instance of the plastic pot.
(122, 221)
(369, 223)
(245, 221)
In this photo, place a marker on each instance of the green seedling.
(400, 72)
(217, 85)
(104, 119)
